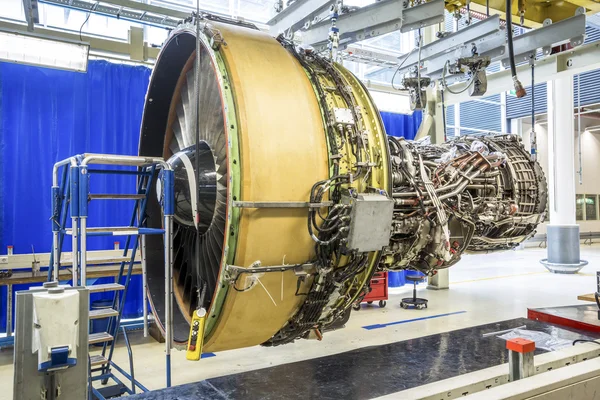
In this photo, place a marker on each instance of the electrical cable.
(400, 66)
(585, 341)
(519, 89)
(444, 116)
(197, 134)
(419, 70)
(444, 71)
(82, 25)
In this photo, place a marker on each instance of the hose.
(519, 89)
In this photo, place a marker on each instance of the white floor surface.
(489, 288)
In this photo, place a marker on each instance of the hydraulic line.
(519, 89)
(532, 136)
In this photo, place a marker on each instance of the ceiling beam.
(297, 15)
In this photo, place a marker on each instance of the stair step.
(98, 359)
(105, 287)
(110, 196)
(99, 337)
(99, 260)
(118, 231)
(103, 313)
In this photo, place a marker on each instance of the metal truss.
(124, 9)
(375, 20)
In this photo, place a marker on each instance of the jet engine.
(289, 195)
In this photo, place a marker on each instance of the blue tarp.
(401, 125)
(47, 115)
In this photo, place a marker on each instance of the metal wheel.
(382, 303)
(356, 306)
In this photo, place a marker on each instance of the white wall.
(590, 154)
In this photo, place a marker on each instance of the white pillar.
(563, 231)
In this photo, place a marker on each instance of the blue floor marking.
(405, 321)
(207, 355)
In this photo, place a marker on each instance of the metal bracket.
(280, 204)
(438, 52)
(570, 30)
(296, 14)
(232, 271)
(417, 100)
(214, 36)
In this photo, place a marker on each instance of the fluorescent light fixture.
(43, 51)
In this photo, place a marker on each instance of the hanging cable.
(444, 71)
(519, 89)
(197, 134)
(420, 44)
(400, 66)
(532, 136)
(444, 116)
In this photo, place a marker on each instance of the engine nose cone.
(195, 186)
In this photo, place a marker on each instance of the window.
(586, 207)
(579, 207)
(590, 207)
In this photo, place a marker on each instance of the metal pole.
(8, 310)
(74, 222)
(168, 196)
(83, 211)
(55, 230)
(533, 135)
(580, 172)
(144, 285)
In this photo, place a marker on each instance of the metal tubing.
(168, 296)
(126, 375)
(144, 285)
(74, 193)
(130, 353)
(56, 254)
(83, 251)
(71, 160)
(84, 181)
(123, 160)
(8, 310)
(74, 253)
(168, 195)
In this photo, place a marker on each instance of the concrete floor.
(488, 288)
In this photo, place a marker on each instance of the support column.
(563, 231)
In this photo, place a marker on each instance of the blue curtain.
(402, 125)
(47, 115)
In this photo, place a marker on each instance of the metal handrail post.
(168, 197)
(84, 183)
(74, 188)
(144, 285)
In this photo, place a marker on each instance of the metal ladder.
(72, 196)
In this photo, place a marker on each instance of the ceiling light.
(45, 51)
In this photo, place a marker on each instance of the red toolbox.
(379, 290)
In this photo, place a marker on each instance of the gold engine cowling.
(274, 127)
